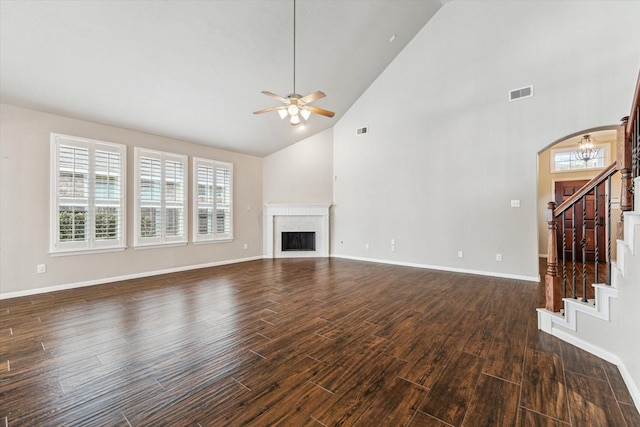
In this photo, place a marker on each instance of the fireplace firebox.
(298, 241)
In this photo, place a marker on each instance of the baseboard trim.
(443, 268)
(66, 286)
(603, 354)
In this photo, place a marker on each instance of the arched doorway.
(557, 177)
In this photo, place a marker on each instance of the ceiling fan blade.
(273, 95)
(320, 111)
(312, 97)
(266, 110)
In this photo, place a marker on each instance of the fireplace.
(298, 240)
(296, 230)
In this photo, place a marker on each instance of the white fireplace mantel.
(280, 217)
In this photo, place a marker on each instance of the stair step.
(597, 307)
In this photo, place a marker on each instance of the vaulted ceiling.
(193, 70)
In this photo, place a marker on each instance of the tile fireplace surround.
(279, 217)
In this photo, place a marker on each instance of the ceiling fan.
(296, 105)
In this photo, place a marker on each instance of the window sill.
(160, 245)
(206, 242)
(74, 252)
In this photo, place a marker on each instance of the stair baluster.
(564, 257)
(609, 230)
(573, 251)
(583, 243)
(596, 224)
(596, 188)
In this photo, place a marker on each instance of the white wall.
(619, 336)
(302, 172)
(446, 152)
(24, 206)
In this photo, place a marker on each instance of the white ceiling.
(193, 70)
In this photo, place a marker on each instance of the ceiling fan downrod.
(295, 105)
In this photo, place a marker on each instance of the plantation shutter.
(223, 201)
(108, 192)
(160, 198)
(88, 195)
(212, 208)
(150, 184)
(175, 200)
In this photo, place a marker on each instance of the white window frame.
(162, 239)
(91, 244)
(213, 236)
(606, 156)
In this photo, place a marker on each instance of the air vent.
(524, 92)
(362, 131)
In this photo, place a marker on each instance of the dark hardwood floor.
(299, 342)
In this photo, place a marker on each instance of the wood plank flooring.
(299, 342)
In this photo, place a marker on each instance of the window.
(87, 195)
(566, 160)
(212, 204)
(161, 198)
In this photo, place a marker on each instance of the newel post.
(624, 162)
(552, 290)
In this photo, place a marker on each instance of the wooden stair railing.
(589, 186)
(555, 286)
(628, 163)
(629, 154)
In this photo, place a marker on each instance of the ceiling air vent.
(362, 131)
(524, 92)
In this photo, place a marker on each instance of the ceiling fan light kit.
(295, 105)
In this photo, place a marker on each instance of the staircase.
(607, 325)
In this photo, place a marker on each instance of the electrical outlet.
(246, 246)
(366, 246)
(515, 203)
(42, 268)
(460, 254)
(498, 257)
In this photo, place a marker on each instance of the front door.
(586, 221)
